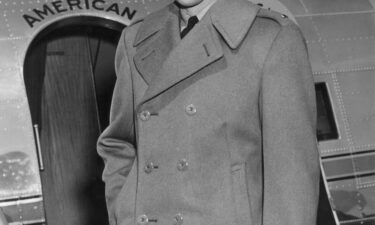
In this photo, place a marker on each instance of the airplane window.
(326, 125)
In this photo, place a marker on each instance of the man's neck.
(198, 10)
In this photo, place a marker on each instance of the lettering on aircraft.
(61, 6)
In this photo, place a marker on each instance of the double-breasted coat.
(215, 129)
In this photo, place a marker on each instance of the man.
(216, 128)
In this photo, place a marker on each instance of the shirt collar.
(195, 11)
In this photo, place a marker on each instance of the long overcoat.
(215, 129)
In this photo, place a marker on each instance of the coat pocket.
(240, 196)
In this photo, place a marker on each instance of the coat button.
(149, 167)
(145, 115)
(182, 165)
(142, 220)
(190, 109)
(178, 219)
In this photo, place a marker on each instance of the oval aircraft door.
(69, 78)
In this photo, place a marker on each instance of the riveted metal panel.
(350, 165)
(358, 95)
(329, 6)
(354, 202)
(8, 60)
(355, 54)
(344, 26)
(29, 211)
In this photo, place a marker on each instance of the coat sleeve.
(116, 144)
(288, 111)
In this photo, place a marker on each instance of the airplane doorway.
(69, 77)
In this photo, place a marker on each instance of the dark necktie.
(191, 22)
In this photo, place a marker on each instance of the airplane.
(57, 77)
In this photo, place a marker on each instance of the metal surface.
(340, 35)
(39, 150)
(18, 172)
(21, 21)
(27, 211)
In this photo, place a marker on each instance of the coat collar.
(157, 36)
(155, 22)
(231, 18)
(163, 59)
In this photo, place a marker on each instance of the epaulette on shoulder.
(281, 19)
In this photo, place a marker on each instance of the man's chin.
(187, 3)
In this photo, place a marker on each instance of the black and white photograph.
(187, 112)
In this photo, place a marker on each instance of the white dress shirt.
(199, 10)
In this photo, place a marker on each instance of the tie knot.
(191, 22)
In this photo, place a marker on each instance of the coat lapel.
(198, 49)
(160, 34)
(167, 60)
